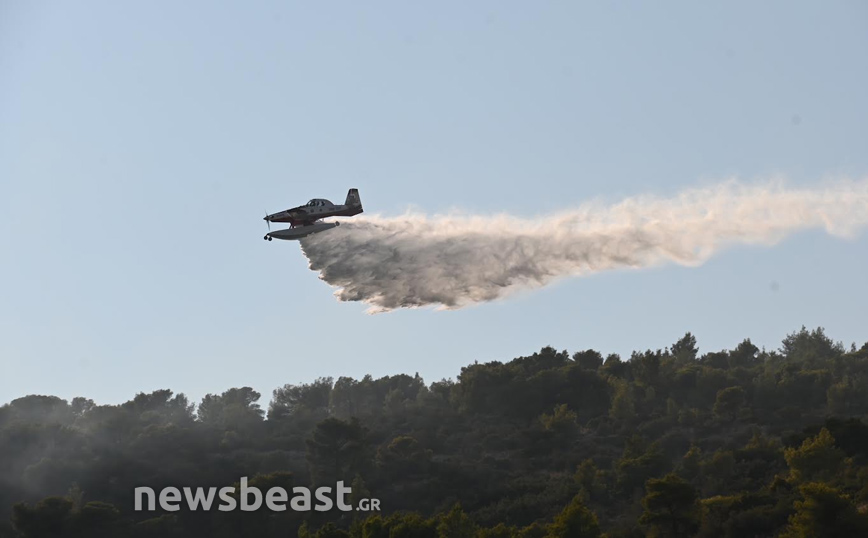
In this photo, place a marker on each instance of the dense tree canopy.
(672, 442)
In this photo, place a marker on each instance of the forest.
(670, 442)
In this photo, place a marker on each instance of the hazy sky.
(141, 143)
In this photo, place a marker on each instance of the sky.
(141, 144)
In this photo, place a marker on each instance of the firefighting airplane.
(303, 220)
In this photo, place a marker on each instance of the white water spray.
(458, 260)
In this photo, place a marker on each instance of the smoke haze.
(454, 261)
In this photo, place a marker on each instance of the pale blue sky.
(140, 144)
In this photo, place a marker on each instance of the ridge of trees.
(740, 442)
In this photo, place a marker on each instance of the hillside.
(740, 442)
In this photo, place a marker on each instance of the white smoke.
(457, 260)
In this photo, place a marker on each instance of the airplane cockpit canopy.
(318, 202)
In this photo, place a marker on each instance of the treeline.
(741, 442)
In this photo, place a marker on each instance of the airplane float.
(304, 220)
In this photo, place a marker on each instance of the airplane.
(303, 220)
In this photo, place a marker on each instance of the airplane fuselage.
(304, 215)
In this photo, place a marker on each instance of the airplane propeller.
(268, 222)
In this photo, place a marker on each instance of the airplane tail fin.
(353, 199)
